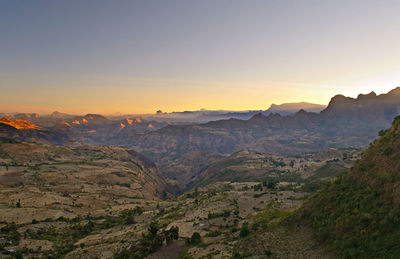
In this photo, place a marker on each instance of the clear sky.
(140, 56)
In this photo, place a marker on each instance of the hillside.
(245, 166)
(42, 176)
(358, 215)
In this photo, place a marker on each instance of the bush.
(244, 230)
(195, 239)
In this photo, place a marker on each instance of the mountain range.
(345, 122)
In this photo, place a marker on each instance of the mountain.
(204, 116)
(93, 129)
(359, 214)
(60, 115)
(23, 130)
(290, 108)
(20, 124)
(283, 109)
(366, 112)
(346, 122)
(27, 116)
(6, 115)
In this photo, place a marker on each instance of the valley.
(101, 199)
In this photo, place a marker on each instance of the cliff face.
(366, 112)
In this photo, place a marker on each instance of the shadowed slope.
(359, 214)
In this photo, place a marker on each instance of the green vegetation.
(244, 230)
(224, 214)
(195, 239)
(150, 242)
(10, 233)
(358, 215)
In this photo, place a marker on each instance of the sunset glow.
(103, 57)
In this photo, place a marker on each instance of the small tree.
(195, 239)
(171, 234)
(153, 229)
(292, 163)
(244, 230)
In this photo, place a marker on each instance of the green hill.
(358, 215)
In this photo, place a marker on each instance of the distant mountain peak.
(92, 116)
(65, 124)
(27, 116)
(258, 116)
(292, 108)
(301, 111)
(274, 115)
(395, 91)
(371, 95)
(129, 121)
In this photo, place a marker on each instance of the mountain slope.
(23, 130)
(245, 166)
(112, 171)
(20, 124)
(56, 199)
(359, 214)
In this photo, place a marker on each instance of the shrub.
(195, 239)
(244, 230)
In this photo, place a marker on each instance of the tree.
(292, 163)
(244, 230)
(195, 239)
(153, 229)
(171, 234)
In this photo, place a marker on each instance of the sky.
(134, 57)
